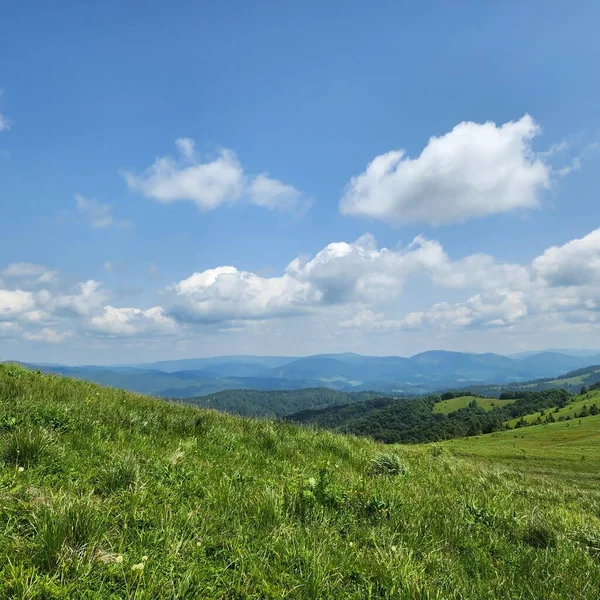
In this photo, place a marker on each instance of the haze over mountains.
(426, 372)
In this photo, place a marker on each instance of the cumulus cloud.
(341, 273)
(489, 310)
(562, 282)
(15, 303)
(225, 293)
(85, 299)
(210, 183)
(360, 270)
(53, 316)
(475, 170)
(132, 321)
(97, 214)
(574, 263)
(562, 285)
(345, 286)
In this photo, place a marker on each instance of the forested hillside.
(417, 421)
(257, 403)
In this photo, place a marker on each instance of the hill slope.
(107, 494)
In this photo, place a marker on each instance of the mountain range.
(422, 373)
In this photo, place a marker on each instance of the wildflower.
(394, 548)
(144, 558)
(119, 559)
(312, 482)
(198, 544)
(351, 544)
(138, 567)
(21, 469)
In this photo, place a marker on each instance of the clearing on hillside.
(445, 407)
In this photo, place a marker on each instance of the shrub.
(386, 463)
(24, 447)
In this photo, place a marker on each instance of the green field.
(106, 494)
(566, 449)
(447, 406)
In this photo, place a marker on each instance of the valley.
(423, 373)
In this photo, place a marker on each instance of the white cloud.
(132, 321)
(273, 194)
(84, 300)
(15, 303)
(574, 263)
(341, 273)
(225, 293)
(373, 279)
(186, 147)
(342, 289)
(29, 273)
(5, 124)
(211, 183)
(489, 310)
(97, 214)
(473, 171)
(48, 336)
(367, 319)
(344, 272)
(53, 316)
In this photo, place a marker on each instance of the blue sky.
(161, 168)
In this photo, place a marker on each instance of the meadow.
(109, 494)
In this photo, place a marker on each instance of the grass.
(386, 463)
(447, 406)
(138, 498)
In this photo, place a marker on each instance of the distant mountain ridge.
(347, 372)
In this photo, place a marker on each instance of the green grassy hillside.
(570, 411)
(107, 494)
(447, 406)
(565, 449)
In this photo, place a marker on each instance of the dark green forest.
(278, 403)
